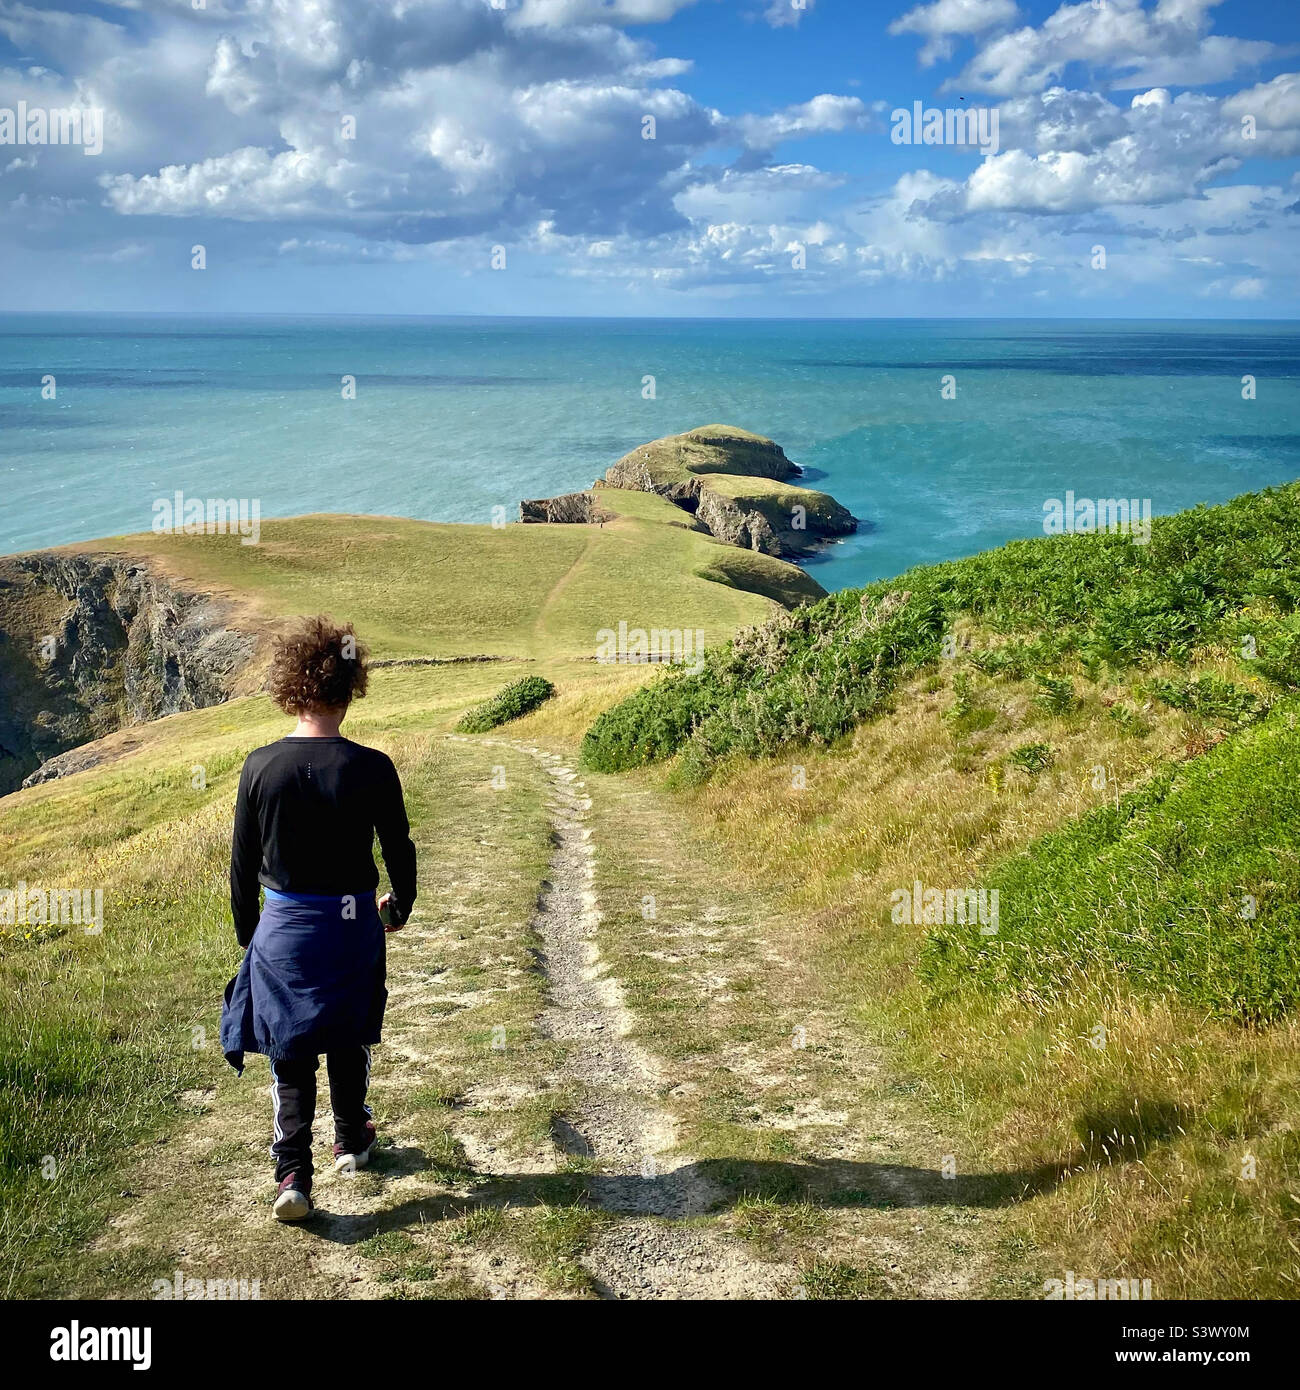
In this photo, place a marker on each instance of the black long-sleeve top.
(306, 818)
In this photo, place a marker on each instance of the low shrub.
(518, 698)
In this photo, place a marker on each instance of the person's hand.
(384, 901)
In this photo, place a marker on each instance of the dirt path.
(617, 1126)
(554, 1065)
(556, 589)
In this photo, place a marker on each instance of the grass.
(777, 1095)
(104, 1037)
(1123, 1113)
(423, 1216)
(1153, 893)
(711, 449)
(556, 1236)
(1103, 732)
(423, 589)
(1127, 1116)
(1123, 1045)
(777, 501)
(1210, 575)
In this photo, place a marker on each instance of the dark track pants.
(293, 1094)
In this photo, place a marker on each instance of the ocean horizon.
(944, 436)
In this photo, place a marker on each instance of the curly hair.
(318, 666)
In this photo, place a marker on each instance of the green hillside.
(1102, 734)
(429, 589)
(1156, 892)
(724, 449)
(1209, 576)
(871, 1103)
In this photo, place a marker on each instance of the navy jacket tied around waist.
(311, 981)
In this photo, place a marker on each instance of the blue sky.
(490, 156)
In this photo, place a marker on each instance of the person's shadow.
(1107, 1136)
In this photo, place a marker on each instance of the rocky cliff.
(786, 521)
(91, 643)
(574, 508)
(736, 485)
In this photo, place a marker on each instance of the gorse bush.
(807, 675)
(1155, 892)
(1207, 575)
(966, 715)
(1272, 644)
(518, 698)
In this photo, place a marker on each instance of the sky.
(1137, 158)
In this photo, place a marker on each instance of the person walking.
(311, 982)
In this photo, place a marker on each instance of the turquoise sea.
(453, 417)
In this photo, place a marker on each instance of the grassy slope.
(711, 449)
(1134, 1147)
(96, 1032)
(196, 1193)
(1151, 889)
(1148, 1132)
(425, 589)
(84, 1084)
(1219, 576)
(1082, 1051)
(718, 455)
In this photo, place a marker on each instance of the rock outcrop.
(90, 643)
(573, 508)
(735, 484)
(786, 521)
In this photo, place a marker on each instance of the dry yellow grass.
(1148, 1134)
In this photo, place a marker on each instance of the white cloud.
(1250, 287)
(1121, 41)
(526, 125)
(779, 193)
(944, 21)
(561, 13)
(1275, 104)
(1069, 152)
(1067, 181)
(786, 14)
(247, 183)
(822, 114)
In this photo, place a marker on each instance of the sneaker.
(293, 1201)
(348, 1160)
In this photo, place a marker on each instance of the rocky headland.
(734, 483)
